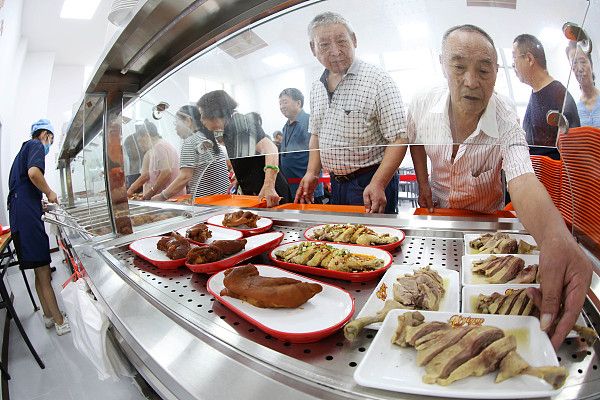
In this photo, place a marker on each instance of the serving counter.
(188, 346)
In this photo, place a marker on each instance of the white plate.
(527, 238)
(471, 292)
(449, 303)
(147, 247)
(391, 367)
(217, 232)
(324, 313)
(469, 278)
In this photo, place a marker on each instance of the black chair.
(10, 254)
(6, 302)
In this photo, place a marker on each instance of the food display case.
(171, 326)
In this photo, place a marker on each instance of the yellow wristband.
(273, 167)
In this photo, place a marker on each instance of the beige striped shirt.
(473, 181)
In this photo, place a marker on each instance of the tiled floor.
(68, 374)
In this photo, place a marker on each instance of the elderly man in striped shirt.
(357, 124)
(470, 134)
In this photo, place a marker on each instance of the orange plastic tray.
(322, 207)
(451, 212)
(233, 200)
(180, 198)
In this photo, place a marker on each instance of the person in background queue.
(26, 185)
(588, 105)
(277, 139)
(202, 162)
(358, 123)
(470, 135)
(294, 145)
(252, 154)
(529, 62)
(160, 165)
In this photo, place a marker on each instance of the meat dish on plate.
(352, 233)
(240, 218)
(175, 245)
(198, 233)
(506, 268)
(512, 302)
(322, 255)
(245, 283)
(215, 251)
(451, 352)
(499, 243)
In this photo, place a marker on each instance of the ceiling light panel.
(79, 9)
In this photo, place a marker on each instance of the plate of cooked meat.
(471, 356)
(408, 287)
(498, 269)
(285, 305)
(333, 260)
(508, 300)
(500, 243)
(246, 222)
(203, 233)
(164, 252)
(223, 254)
(382, 237)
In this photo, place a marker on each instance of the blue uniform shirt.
(295, 140)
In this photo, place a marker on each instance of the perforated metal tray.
(335, 353)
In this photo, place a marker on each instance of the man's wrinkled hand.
(270, 195)
(306, 189)
(374, 198)
(565, 277)
(425, 196)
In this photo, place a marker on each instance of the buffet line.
(374, 306)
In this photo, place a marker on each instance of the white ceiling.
(74, 42)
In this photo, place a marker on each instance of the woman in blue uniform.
(26, 185)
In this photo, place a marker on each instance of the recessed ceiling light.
(278, 60)
(79, 9)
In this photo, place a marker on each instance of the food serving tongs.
(63, 224)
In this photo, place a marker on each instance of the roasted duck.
(215, 251)
(499, 243)
(246, 284)
(530, 274)
(351, 233)
(504, 269)
(422, 290)
(512, 302)
(240, 218)
(324, 256)
(198, 233)
(175, 245)
(452, 353)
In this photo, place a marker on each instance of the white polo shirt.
(473, 181)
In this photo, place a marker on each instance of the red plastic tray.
(218, 233)
(262, 225)
(347, 276)
(256, 245)
(322, 315)
(146, 248)
(378, 229)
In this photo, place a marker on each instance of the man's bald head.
(467, 28)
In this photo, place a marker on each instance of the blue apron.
(25, 206)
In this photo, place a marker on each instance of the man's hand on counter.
(425, 196)
(374, 198)
(565, 277)
(306, 189)
(269, 194)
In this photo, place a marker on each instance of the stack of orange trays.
(580, 152)
(550, 173)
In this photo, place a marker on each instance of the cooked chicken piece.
(175, 245)
(240, 218)
(352, 329)
(229, 247)
(428, 348)
(487, 361)
(198, 233)
(422, 290)
(322, 255)
(204, 255)
(529, 274)
(513, 365)
(499, 269)
(246, 284)
(499, 243)
(162, 244)
(513, 302)
(466, 348)
(526, 248)
(405, 322)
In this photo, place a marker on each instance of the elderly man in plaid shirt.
(357, 126)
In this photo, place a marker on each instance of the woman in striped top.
(202, 162)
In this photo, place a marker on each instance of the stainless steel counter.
(188, 346)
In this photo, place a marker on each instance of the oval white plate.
(217, 232)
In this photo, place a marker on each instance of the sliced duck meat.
(430, 349)
(528, 275)
(422, 290)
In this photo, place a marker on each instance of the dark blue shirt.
(537, 130)
(294, 150)
(30, 155)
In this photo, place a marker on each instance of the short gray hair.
(328, 18)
